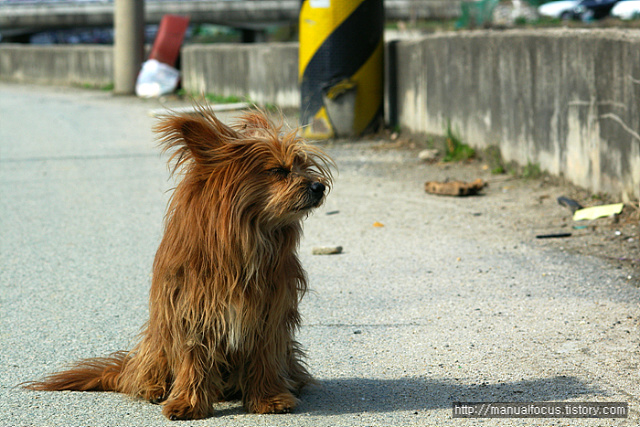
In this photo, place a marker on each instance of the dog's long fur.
(226, 278)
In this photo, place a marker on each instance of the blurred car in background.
(626, 9)
(584, 10)
(588, 10)
(558, 9)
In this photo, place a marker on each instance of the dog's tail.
(97, 374)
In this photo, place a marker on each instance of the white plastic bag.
(156, 79)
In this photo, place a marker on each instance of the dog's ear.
(255, 120)
(197, 136)
(200, 137)
(256, 123)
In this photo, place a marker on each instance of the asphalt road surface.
(441, 302)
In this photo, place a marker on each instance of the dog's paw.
(156, 396)
(157, 400)
(280, 404)
(179, 410)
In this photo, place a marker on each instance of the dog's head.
(249, 171)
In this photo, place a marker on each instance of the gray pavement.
(444, 303)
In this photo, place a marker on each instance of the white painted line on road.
(193, 110)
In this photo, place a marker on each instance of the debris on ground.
(326, 250)
(569, 203)
(553, 235)
(455, 188)
(531, 205)
(428, 155)
(378, 224)
(596, 212)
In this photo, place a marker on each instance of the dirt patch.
(527, 203)
(616, 239)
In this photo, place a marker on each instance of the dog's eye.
(282, 172)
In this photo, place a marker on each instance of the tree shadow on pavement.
(356, 395)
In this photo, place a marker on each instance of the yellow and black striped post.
(341, 63)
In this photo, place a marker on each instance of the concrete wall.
(266, 73)
(566, 99)
(58, 65)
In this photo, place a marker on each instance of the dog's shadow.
(359, 395)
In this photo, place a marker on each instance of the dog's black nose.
(317, 188)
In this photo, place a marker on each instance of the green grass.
(531, 171)
(220, 99)
(493, 157)
(108, 87)
(456, 150)
(271, 107)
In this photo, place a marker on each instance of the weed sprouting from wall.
(456, 150)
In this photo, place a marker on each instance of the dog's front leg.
(265, 389)
(191, 396)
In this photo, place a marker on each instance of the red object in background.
(166, 46)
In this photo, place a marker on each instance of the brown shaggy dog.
(226, 282)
